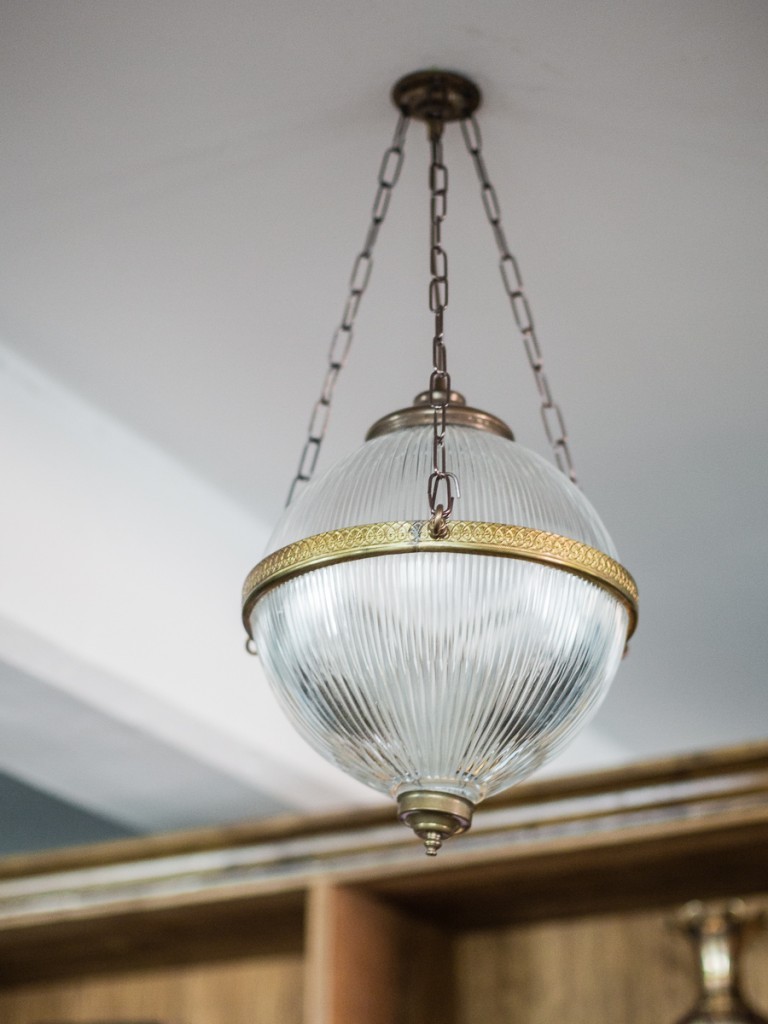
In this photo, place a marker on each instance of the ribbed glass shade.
(444, 671)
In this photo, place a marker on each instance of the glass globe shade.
(443, 672)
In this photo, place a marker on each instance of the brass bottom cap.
(434, 816)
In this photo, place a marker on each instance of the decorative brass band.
(499, 539)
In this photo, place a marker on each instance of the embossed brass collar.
(457, 414)
(497, 539)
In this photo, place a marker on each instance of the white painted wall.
(119, 583)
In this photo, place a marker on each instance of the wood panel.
(68, 945)
(267, 990)
(630, 968)
(505, 926)
(368, 962)
(589, 874)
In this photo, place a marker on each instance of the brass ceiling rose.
(436, 95)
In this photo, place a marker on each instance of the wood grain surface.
(556, 915)
(70, 946)
(627, 969)
(366, 962)
(266, 990)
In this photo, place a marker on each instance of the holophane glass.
(443, 671)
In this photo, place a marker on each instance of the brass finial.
(434, 816)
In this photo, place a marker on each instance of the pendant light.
(442, 610)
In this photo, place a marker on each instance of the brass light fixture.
(439, 642)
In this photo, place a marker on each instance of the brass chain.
(389, 172)
(551, 413)
(440, 380)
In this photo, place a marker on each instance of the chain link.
(440, 506)
(551, 413)
(389, 172)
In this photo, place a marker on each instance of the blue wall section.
(33, 820)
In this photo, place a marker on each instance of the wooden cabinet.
(553, 909)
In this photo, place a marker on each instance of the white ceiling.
(183, 188)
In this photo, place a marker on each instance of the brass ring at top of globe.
(455, 416)
(464, 537)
